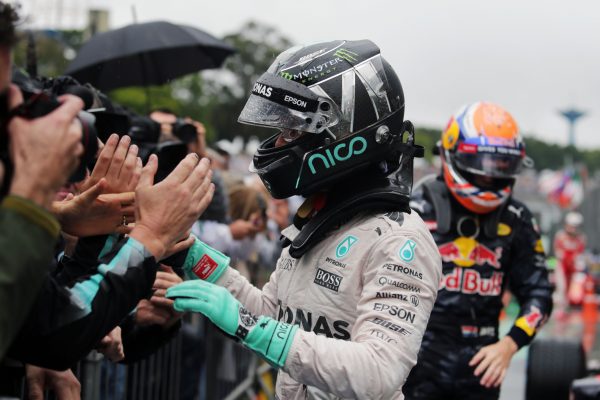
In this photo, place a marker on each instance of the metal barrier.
(225, 370)
(234, 372)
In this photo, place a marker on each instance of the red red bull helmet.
(482, 152)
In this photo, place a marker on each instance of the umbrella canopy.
(151, 53)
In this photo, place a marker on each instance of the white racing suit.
(362, 298)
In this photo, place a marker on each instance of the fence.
(199, 363)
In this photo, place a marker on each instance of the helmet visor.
(495, 162)
(280, 103)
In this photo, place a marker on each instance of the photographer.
(43, 152)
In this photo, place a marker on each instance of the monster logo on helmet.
(482, 152)
(337, 95)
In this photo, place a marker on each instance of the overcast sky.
(531, 56)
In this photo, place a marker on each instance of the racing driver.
(488, 241)
(345, 310)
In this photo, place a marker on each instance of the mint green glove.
(267, 337)
(204, 262)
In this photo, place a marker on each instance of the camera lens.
(184, 131)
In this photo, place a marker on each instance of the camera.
(41, 98)
(184, 131)
(145, 133)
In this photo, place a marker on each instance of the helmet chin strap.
(368, 195)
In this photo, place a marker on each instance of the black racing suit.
(481, 256)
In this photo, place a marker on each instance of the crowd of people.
(371, 290)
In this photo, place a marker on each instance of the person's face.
(287, 136)
(166, 122)
(571, 230)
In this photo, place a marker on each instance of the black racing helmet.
(339, 107)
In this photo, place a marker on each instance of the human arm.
(64, 384)
(140, 341)
(491, 362)
(105, 203)
(44, 151)
(154, 322)
(205, 263)
(199, 145)
(118, 164)
(88, 309)
(92, 213)
(387, 333)
(111, 345)
(383, 347)
(528, 281)
(30, 232)
(68, 320)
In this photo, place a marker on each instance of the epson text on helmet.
(295, 101)
(357, 146)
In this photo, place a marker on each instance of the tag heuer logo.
(343, 248)
(328, 280)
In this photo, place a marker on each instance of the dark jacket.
(28, 234)
(84, 299)
(482, 255)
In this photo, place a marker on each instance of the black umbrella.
(145, 54)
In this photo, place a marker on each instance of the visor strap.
(285, 98)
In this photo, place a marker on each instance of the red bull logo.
(466, 252)
(469, 281)
(530, 321)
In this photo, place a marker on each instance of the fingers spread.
(129, 165)
(183, 169)
(477, 358)
(206, 198)
(93, 193)
(199, 173)
(148, 172)
(179, 246)
(103, 162)
(118, 158)
(485, 363)
(137, 172)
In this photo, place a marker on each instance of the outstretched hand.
(165, 211)
(91, 213)
(118, 164)
(64, 384)
(209, 299)
(492, 361)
